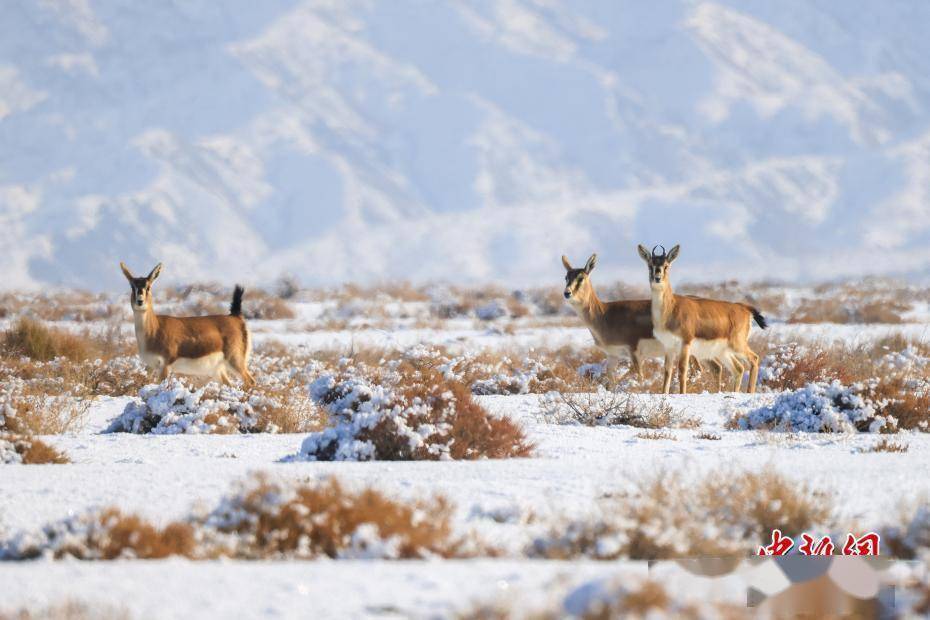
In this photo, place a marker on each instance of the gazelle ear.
(673, 254)
(566, 264)
(644, 253)
(589, 266)
(155, 273)
(126, 271)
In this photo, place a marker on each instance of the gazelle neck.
(663, 301)
(591, 309)
(145, 320)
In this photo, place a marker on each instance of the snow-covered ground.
(166, 477)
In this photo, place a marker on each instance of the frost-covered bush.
(101, 535)
(26, 408)
(261, 520)
(818, 408)
(9, 455)
(406, 411)
(267, 520)
(173, 407)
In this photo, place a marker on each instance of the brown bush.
(895, 396)
(417, 398)
(33, 451)
(130, 535)
(33, 339)
(263, 521)
(328, 520)
(30, 411)
(669, 517)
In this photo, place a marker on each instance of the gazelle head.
(658, 263)
(577, 284)
(141, 295)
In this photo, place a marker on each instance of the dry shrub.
(888, 445)
(905, 402)
(31, 338)
(655, 435)
(28, 451)
(105, 535)
(611, 408)
(708, 436)
(263, 520)
(326, 519)
(791, 366)
(70, 610)
(175, 406)
(407, 410)
(669, 516)
(25, 408)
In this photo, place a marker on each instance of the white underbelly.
(206, 366)
(700, 349)
(710, 349)
(650, 348)
(668, 340)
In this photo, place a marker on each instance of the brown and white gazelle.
(705, 328)
(207, 346)
(618, 327)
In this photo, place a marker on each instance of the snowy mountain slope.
(364, 140)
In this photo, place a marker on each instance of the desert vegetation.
(261, 520)
(669, 516)
(406, 409)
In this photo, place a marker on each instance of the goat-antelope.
(705, 328)
(618, 327)
(207, 346)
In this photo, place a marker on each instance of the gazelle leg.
(669, 371)
(753, 370)
(718, 367)
(684, 359)
(611, 367)
(737, 369)
(242, 370)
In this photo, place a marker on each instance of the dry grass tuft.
(888, 445)
(610, 408)
(26, 409)
(724, 514)
(656, 435)
(31, 338)
(708, 436)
